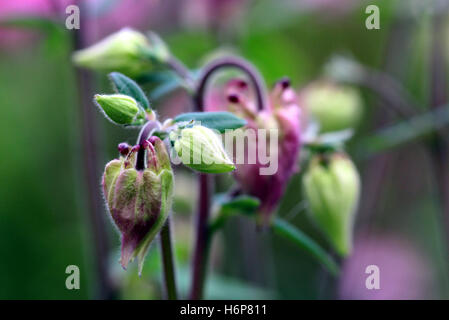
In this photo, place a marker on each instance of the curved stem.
(168, 261)
(181, 70)
(202, 242)
(144, 134)
(232, 62)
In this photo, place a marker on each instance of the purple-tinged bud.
(283, 114)
(124, 148)
(139, 200)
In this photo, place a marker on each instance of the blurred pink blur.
(100, 17)
(404, 272)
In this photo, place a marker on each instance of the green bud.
(332, 188)
(335, 107)
(126, 51)
(201, 149)
(119, 108)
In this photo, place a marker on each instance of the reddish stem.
(202, 242)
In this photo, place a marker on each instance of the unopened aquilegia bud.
(119, 108)
(201, 149)
(138, 200)
(332, 188)
(335, 107)
(127, 51)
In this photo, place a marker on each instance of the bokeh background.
(52, 142)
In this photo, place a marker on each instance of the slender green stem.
(288, 231)
(168, 261)
(404, 132)
(182, 71)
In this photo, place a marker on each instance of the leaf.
(124, 85)
(290, 232)
(329, 142)
(244, 204)
(336, 138)
(214, 120)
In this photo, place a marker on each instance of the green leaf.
(290, 232)
(214, 120)
(124, 85)
(244, 204)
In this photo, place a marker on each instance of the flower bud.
(126, 51)
(201, 149)
(335, 107)
(119, 108)
(332, 187)
(139, 200)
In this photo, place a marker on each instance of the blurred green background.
(44, 225)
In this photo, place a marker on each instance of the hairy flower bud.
(127, 51)
(201, 149)
(139, 200)
(332, 187)
(119, 108)
(335, 107)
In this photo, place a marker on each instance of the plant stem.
(105, 287)
(181, 70)
(165, 234)
(203, 238)
(233, 62)
(168, 261)
(144, 134)
(428, 123)
(438, 148)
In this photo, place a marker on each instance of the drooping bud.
(127, 51)
(201, 149)
(335, 107)
(332, 187)
(139, 200)
(119, 108)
